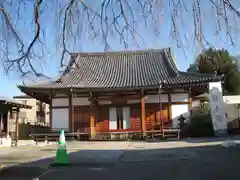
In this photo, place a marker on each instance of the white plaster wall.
(179, 97)
(133, 101)
(155, 98)
(104, 102)
(177, 110)
(56, 102)
(60, 119)
(81, 102)
(60, 95)
(231, 99)
(178, 90)
(231, 107)
(232, 111)
(86, 102)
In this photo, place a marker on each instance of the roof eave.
(166, 84)
(16, 104)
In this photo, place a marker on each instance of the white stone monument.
(217, 109)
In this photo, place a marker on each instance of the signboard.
(217, 109)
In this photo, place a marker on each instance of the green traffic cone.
(61, 155)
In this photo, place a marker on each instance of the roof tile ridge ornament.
(162, 83)
(58, 80)
(71, 87)
(73, 59)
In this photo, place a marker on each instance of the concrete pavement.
(127, 160)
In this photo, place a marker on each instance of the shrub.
(200, 124)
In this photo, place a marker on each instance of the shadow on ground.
(211, 139)
(197, 140)
(136, 162)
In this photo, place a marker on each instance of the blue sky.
(50, 64)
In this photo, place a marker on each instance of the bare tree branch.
(104, 21)
(25, 55)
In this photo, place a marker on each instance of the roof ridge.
(118, 52)
(74, 56)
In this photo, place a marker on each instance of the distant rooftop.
(22, 97)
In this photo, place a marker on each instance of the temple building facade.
(129, 91)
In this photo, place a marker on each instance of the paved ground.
(196, 159)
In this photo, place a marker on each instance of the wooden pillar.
(160, 113)
(169, 107)
(190, 102)
(17, 127)
(92, 120)
(70, 112)
(143, 125)
(7, 125)
(50, 114)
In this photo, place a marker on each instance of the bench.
(54, 136)
(170, 132)
(153, 133)
(166, 132)
(128, 135)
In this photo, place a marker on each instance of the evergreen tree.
(192, 68)
(219, 62)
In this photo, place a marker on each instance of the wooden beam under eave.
(143, 125)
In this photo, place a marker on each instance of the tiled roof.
(4, 100)
(127, 69)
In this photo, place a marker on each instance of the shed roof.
(4, 100)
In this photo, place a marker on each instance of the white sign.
(217, 109)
